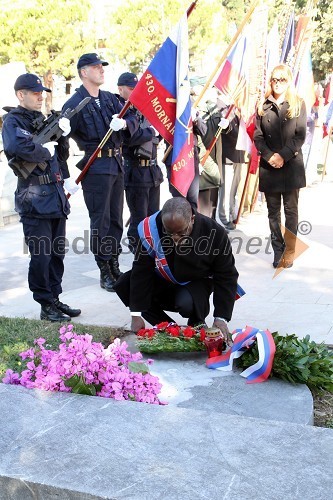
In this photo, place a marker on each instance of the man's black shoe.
(231, 226)
(50, 312)
(66, 309)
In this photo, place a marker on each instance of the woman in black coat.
(279, 135)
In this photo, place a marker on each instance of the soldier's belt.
(104, 153)
(147, 163)
(139, 163)
(40, 180)
(109, 153)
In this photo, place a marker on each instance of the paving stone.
(68, 446)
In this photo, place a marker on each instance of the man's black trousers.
(190, 301)
(45, 239)
(104, 198)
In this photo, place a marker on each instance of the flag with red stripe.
(163, 97)
(243, 339)
(234, 76)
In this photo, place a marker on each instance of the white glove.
(194, 114)
(65, 125)
(156, 132)
(117, 123)
(223, 123)
(201, 169)
(71, 186)
(50, 147)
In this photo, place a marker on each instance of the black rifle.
(46, 130)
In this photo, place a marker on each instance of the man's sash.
(151, 241)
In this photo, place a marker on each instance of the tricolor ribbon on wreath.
(242, 340)
(150, 239)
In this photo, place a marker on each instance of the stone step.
(67, 446)
(187, 383)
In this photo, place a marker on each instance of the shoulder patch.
(21, 132)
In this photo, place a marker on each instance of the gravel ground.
(323, 408)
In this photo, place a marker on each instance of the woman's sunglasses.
(278, 80)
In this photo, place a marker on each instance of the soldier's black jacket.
(135, 174)
(89, 126)
(32, 199)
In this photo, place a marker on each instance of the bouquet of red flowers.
(169, 337)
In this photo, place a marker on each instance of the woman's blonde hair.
(295, 102)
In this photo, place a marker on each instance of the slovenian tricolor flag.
(234, 76)
(163, 97)
(242, 340)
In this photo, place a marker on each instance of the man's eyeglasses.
(278, 80)
(180, 234)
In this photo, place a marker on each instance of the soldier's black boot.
(114, 267)
(50, 312)
(106, 280)
(66, 309)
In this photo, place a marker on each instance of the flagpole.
(188, 13)
(255, 193)
(191, 7)
(226, 52)
(326, 155)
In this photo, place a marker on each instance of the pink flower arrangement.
(86, 367)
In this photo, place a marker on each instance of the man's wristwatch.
(221, 319)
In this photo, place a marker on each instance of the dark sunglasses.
(278, 80)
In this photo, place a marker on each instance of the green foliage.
(50, 36)
(139, 28)
(138, 367)
(18, 334)
(298, 361)
(163, 342)
(79, 386)
(235, 10)
(45, 35)
(322, 53)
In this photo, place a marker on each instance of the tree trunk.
(48, 82)
(68, 85)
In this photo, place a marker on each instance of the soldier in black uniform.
(103, 186)
(40, 198)
(143, 176)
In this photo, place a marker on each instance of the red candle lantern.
(214, 342)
